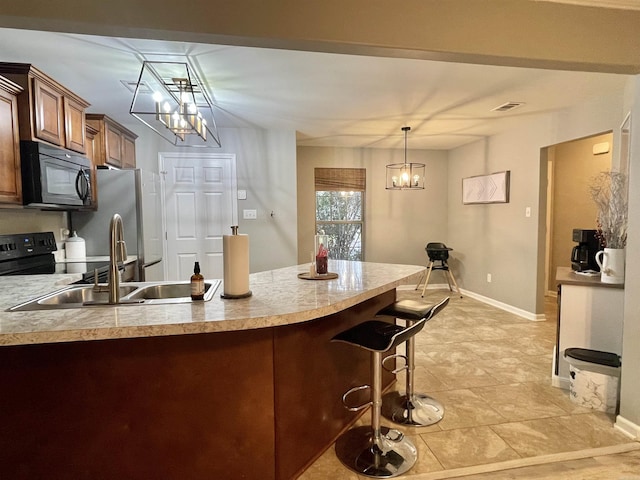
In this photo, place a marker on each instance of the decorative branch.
(609, 192)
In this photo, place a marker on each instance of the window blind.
(340, 179)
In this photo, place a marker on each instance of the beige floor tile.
(328, 466)
(539, 437)
(437, 354)
(463, 409)
(427, 461)
(558, 397)
(595, 428)
(518, 401)
(423, 381)
(468, 446)
(512, 370)
(532, 345)
(491, 349)
(462, 375)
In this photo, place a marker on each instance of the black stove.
(27, 253)
(32, 254)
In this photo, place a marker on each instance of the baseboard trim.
(481, 298)
(627, 427)
(504, 306)
(528, 462)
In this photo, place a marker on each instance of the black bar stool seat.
(372, 450)
(411, 408)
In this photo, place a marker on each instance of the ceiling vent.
(505, 107)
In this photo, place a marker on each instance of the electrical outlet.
(249, 214)
(488, 277)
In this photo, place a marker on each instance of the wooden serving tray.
(324, 276)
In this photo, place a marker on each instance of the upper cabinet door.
(48, 113)
(75, 125)
(47, 110)
(10, 177)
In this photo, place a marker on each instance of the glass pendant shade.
(172, 101)
(405, 176)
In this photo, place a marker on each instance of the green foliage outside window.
(339, 215)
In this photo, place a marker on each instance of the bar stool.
(412, 408)
(373, 450)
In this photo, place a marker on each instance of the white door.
(200, 207)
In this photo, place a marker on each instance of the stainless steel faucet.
(117, 255)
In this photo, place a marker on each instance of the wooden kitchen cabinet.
(90, 134)
(48, 111)
(10, 176)
(115, 144)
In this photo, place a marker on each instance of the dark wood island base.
(252, 404)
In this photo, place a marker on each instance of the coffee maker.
(583, 255)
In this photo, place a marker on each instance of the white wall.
(498, 238)
(266, 169)
(630, 387)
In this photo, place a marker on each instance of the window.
(339, 210)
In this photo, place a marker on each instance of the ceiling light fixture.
(405, 176)
(170, 99)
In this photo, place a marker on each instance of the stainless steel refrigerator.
(135, 195)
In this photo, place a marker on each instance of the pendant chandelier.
(405, 176)
(171, 100)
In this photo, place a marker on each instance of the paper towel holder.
(229, 296)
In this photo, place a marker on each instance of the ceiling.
(328, 99)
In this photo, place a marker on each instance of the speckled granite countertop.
(279, 298)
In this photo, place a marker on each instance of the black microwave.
(54, 178)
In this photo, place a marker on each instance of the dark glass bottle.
(197, 283)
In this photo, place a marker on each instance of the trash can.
(595, 378)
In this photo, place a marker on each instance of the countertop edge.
(566, 276)
(209, 317)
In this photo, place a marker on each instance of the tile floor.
(491, 371)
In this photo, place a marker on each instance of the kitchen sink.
(133, 293)
(168, 291)
(84, 294)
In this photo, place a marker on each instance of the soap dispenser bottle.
(197, 283)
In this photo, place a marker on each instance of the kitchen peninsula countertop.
(279, 298)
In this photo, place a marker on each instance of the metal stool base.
(417, 410)
(356, 451)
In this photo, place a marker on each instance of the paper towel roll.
(235, 253)
(75, 247)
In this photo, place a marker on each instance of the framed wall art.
(492, 188)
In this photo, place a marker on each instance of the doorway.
(199, 207)
(571, 167)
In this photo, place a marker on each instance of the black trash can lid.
(594, 356)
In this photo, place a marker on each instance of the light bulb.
(405, 178)
(157, 97)
(166, 107)
(416, 180)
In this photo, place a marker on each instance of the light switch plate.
(249, 214)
